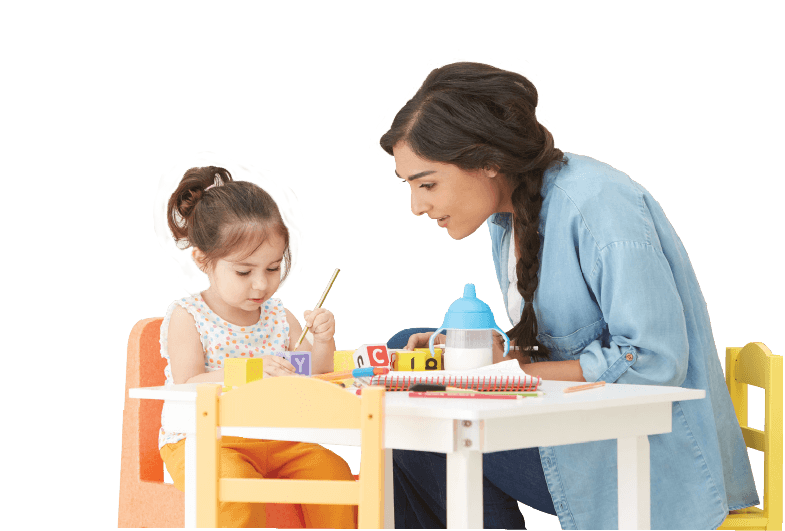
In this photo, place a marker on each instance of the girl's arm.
(186, 356)
(323, 349)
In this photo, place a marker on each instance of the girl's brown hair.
(230, 216)
(476, 116)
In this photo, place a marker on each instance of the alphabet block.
(239, 371)
(419, 360)
(301, 362)
(371, 356)
(343, 360)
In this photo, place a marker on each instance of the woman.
(596, 278)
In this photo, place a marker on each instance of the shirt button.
(628, 356)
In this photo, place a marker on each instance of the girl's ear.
(199, 259)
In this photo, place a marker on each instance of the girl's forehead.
(258, 249)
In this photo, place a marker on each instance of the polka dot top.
(222, 339)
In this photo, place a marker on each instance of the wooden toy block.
(418, 360)
(343, 360)
(239, 371)
(301, 362)
(394, 357)
(371, 356)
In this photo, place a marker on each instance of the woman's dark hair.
(230, 216)
(476, 116)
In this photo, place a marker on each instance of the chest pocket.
(575, 342)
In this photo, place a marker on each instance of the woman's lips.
(443, 221)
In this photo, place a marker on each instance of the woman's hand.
(421, 340)
(277, 366)
(321, 323)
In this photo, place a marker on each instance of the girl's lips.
(255, 300)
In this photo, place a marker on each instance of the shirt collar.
(504, 219)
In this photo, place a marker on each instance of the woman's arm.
(569, 371)
(547, 370)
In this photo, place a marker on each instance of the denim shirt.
(614, 280)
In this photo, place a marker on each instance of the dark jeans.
(420, 481)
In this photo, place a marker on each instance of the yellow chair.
(756, 365)
(300, 403)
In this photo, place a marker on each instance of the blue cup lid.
(470, 313)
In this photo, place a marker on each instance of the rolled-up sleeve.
(647, 333)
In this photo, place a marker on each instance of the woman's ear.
(490, 171)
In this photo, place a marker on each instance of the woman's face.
(459, 200)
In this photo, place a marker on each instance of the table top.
(552, 401)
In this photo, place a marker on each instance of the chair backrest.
(299, 403)
(755, 365)
(145, 368)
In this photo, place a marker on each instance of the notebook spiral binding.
(477, 383)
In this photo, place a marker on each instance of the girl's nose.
(259, 282)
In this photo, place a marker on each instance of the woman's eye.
(242, 273)
(427, 186)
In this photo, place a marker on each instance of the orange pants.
(253, 458)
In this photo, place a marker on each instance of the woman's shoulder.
(606, 201)
(583, 178)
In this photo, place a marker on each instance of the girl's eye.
(274, 270)
(242, 273)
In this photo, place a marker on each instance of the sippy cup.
(469, 324)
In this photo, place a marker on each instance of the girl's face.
(459, 200)
(243, 282)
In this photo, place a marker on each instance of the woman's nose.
(419, 207)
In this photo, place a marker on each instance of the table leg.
(634, 482)
(389, 513)
(464, 489)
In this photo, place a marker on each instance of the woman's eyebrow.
(416, 175)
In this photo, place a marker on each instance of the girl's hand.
(277, 366)
(321, 323)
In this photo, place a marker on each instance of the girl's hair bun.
(189, 193)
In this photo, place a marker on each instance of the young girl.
(240, 241)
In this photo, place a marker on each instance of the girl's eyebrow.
(416, 175)
(248, 264)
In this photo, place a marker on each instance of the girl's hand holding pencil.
(321, 323)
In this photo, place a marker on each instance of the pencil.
(583, 387)
(319, 305)
(432, 394)
(333, 375)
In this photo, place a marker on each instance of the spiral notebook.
(401, 381)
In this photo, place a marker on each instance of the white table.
(464, 429)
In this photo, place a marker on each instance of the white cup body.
(468, 349)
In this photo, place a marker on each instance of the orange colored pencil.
(575, 388)
(333, 375)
